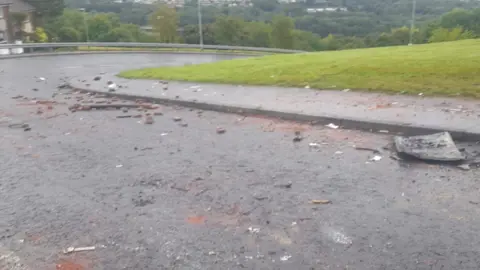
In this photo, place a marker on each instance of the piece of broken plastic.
(438, 147)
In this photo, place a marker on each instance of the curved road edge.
(250, 109)
(28, 55)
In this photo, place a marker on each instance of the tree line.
(280, 32)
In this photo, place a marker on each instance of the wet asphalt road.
(167, 196)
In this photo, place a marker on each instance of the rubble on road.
(221, 130)
(78, 249)
(332, 125)
(97, 78)
(321, 201)
(435, 147)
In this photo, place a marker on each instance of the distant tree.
(99, 25)
(47, 8)
(229, 30)
(258, 34)
(40, 35)
(265, 5)
(68, 34)
(119, 34)
(282, 32)
(165, 24)
(445, 34)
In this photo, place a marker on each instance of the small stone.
(97, 78)
(109, 82)
(158, 113)
(35, 89)
(137, 116)
(184, 125)
(221, 130)
(177, 97)
(125, 110)
(177, 119)
(297, 139)
(148, 120)
(465, 167)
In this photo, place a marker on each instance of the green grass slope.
(450, 68)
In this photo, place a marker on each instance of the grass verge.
(450, 68)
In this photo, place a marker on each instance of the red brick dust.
(196, 220)
(64, 264)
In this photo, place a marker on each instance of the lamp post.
(200, 29)
(412, 24)
(85, 24)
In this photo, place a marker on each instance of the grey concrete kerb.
(343, 122)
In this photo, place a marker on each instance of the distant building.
(327, 9)
(8, 30)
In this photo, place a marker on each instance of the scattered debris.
(338, 152)
(307, 86)
(177, 119)
(367, 149)
(383, 131)
(376, 158)
(183, 124)
(97, 78)
(124, 116)
(314, 145)
(164, 134)
(148, 119)
(157, 113)
(437, 147)
(346, 90)
(112, 87)
(41, 79)
(464, 167)
(17, 97)
(253, 230)
(119, 166)
(56, 115)
(35, 89)
(63, 86)
(297, 139)
(124, 109)
(321, 201)
(287, 185)
(19, 125)
(285, 258)
(332, 125)
(78, 249)
(221, 130)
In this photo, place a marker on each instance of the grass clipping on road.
(450, 68)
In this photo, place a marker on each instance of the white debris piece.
(332, 125)
(119, 166)
(78, 249)
(253, 230)
(285, 257)
(376, 158)
(112, 87)
(338, 152)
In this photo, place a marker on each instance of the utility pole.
(412, 25)
(200, 28)
(85, 24)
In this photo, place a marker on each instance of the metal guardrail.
(30, 47)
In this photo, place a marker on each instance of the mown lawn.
(450, 68)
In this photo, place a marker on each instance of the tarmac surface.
(351, 109)
(178, 195)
